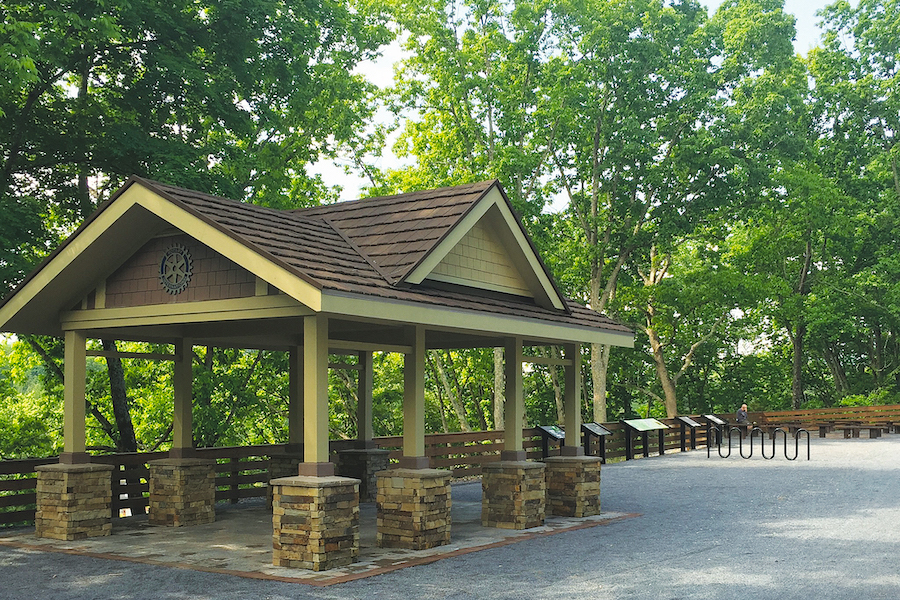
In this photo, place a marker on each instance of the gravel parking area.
(709, 528)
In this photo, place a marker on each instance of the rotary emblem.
(175, 269)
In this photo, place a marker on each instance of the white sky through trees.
(381, 73)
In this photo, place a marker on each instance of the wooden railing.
(869, 415)
(243, 472)
(18, 489)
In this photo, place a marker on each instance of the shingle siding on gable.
(481, 262)
(214, 277)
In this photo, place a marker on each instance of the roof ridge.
(432, 193)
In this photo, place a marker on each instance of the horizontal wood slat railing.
(243, 472)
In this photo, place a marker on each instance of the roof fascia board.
(484, 324)
(89, 232)
(254, 307)
(268, 269)
(492, 197)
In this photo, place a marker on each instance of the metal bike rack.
(762, 445)
(797, 445)
(709, 436)
(753, 431)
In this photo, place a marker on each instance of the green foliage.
(30, 423)
(737, 204)
(237, 100)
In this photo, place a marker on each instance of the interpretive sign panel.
(596, 428)
(645, 424)
(553, 431)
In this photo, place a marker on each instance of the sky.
(380, 72)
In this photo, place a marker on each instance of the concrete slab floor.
(239, 542)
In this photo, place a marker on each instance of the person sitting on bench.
(742, 422)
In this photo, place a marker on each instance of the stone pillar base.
(315, 522)
(512, 494)
(363, 464)
(281, 465)
(182, 492)
(573, 485)
(74, 501)
(413, 508)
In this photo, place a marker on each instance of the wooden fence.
(243, 472)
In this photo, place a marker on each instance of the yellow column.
(74, 449)
(315, 398)
(414, 403)
(572, 401)
(365, 432)
(295, 397)
(183, 423)
(514, 407)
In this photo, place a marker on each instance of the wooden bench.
(854, 430)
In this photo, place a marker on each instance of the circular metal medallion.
(175, 269)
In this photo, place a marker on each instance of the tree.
(235, 100)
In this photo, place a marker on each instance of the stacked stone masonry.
(573, 485)
(512, 495)
(363, 464)
(74, 502)
(413, 508)
(315, 522)
(182, 492)
(281, 466)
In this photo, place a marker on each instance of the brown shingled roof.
(360, 249)
(393, 232)
(396, 232)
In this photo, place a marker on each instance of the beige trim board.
(254, 307)
(137, 355)
(441, 318)
(338, 346)
(547, 361)
(124, 225)
(51, 271)
(287, 282)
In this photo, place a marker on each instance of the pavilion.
(446, 268)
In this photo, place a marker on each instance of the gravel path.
(710, 528)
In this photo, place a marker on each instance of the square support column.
(413, 508)
(414, 403)
(74, 501)
(315, 522)
(365, 433)
(182, 492)
(514, 406)
(74, 372)
(572, 402)
(512, 494)
(363, 464)
(183, 416)
(315, 398)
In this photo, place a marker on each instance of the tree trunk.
(126, 441)
(877, 358)
(452, 394)
(599, 368)
(668, 386)
(499, 390)
(557, 389)
(797, 364)
(833, 360)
